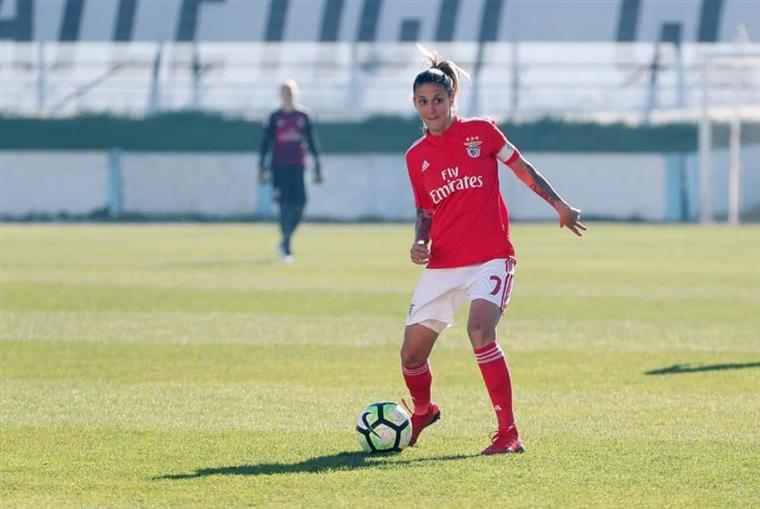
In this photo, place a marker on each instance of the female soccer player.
(289, 131)
(462, 234)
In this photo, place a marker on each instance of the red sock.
(419, 379)
(493, 367)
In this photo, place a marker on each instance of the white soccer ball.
(383, 426)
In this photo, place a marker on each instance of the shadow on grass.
(676, 369)
(340, 461)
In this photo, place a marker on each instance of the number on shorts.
(498, 285)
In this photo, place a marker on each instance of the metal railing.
(632, 81)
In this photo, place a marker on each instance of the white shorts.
(440, 292)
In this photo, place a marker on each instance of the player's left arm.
(568, 215)
(313, 143)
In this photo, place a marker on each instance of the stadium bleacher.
(380, 21)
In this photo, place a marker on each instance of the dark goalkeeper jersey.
(289, 133)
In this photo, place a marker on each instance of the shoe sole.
(520, 450)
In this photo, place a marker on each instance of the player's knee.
(479, 335)
(412, 358)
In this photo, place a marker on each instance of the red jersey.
(455, 176)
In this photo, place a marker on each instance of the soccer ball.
(383, 427)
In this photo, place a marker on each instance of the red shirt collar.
(446, 134)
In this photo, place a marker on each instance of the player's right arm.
(420, 252)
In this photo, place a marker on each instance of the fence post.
(676, 188)
(705, 149)
(114, 183)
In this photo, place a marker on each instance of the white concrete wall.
(198, 184)
(620, 186)
(52, 183)
(750, 179)
(368, 186)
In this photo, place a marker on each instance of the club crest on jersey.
(473, 146)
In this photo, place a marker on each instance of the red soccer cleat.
(422, 421)
(505, 442)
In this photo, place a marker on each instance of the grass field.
(181, 365)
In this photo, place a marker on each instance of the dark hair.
(439, 72)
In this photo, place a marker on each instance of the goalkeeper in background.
(288, 133)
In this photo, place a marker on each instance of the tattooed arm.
(419, 252)
(422, 227)
(568, 216)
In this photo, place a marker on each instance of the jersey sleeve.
(421, 198)
(499, 145)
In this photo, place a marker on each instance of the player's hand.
(419, 253)
(264, 176)
(571, 218)
(318, 179)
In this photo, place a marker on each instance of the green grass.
(181, 365)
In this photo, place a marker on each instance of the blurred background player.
(288, 132)
(453, 171)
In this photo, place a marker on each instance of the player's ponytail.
(440, 72)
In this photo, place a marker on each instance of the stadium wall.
(99, 184)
